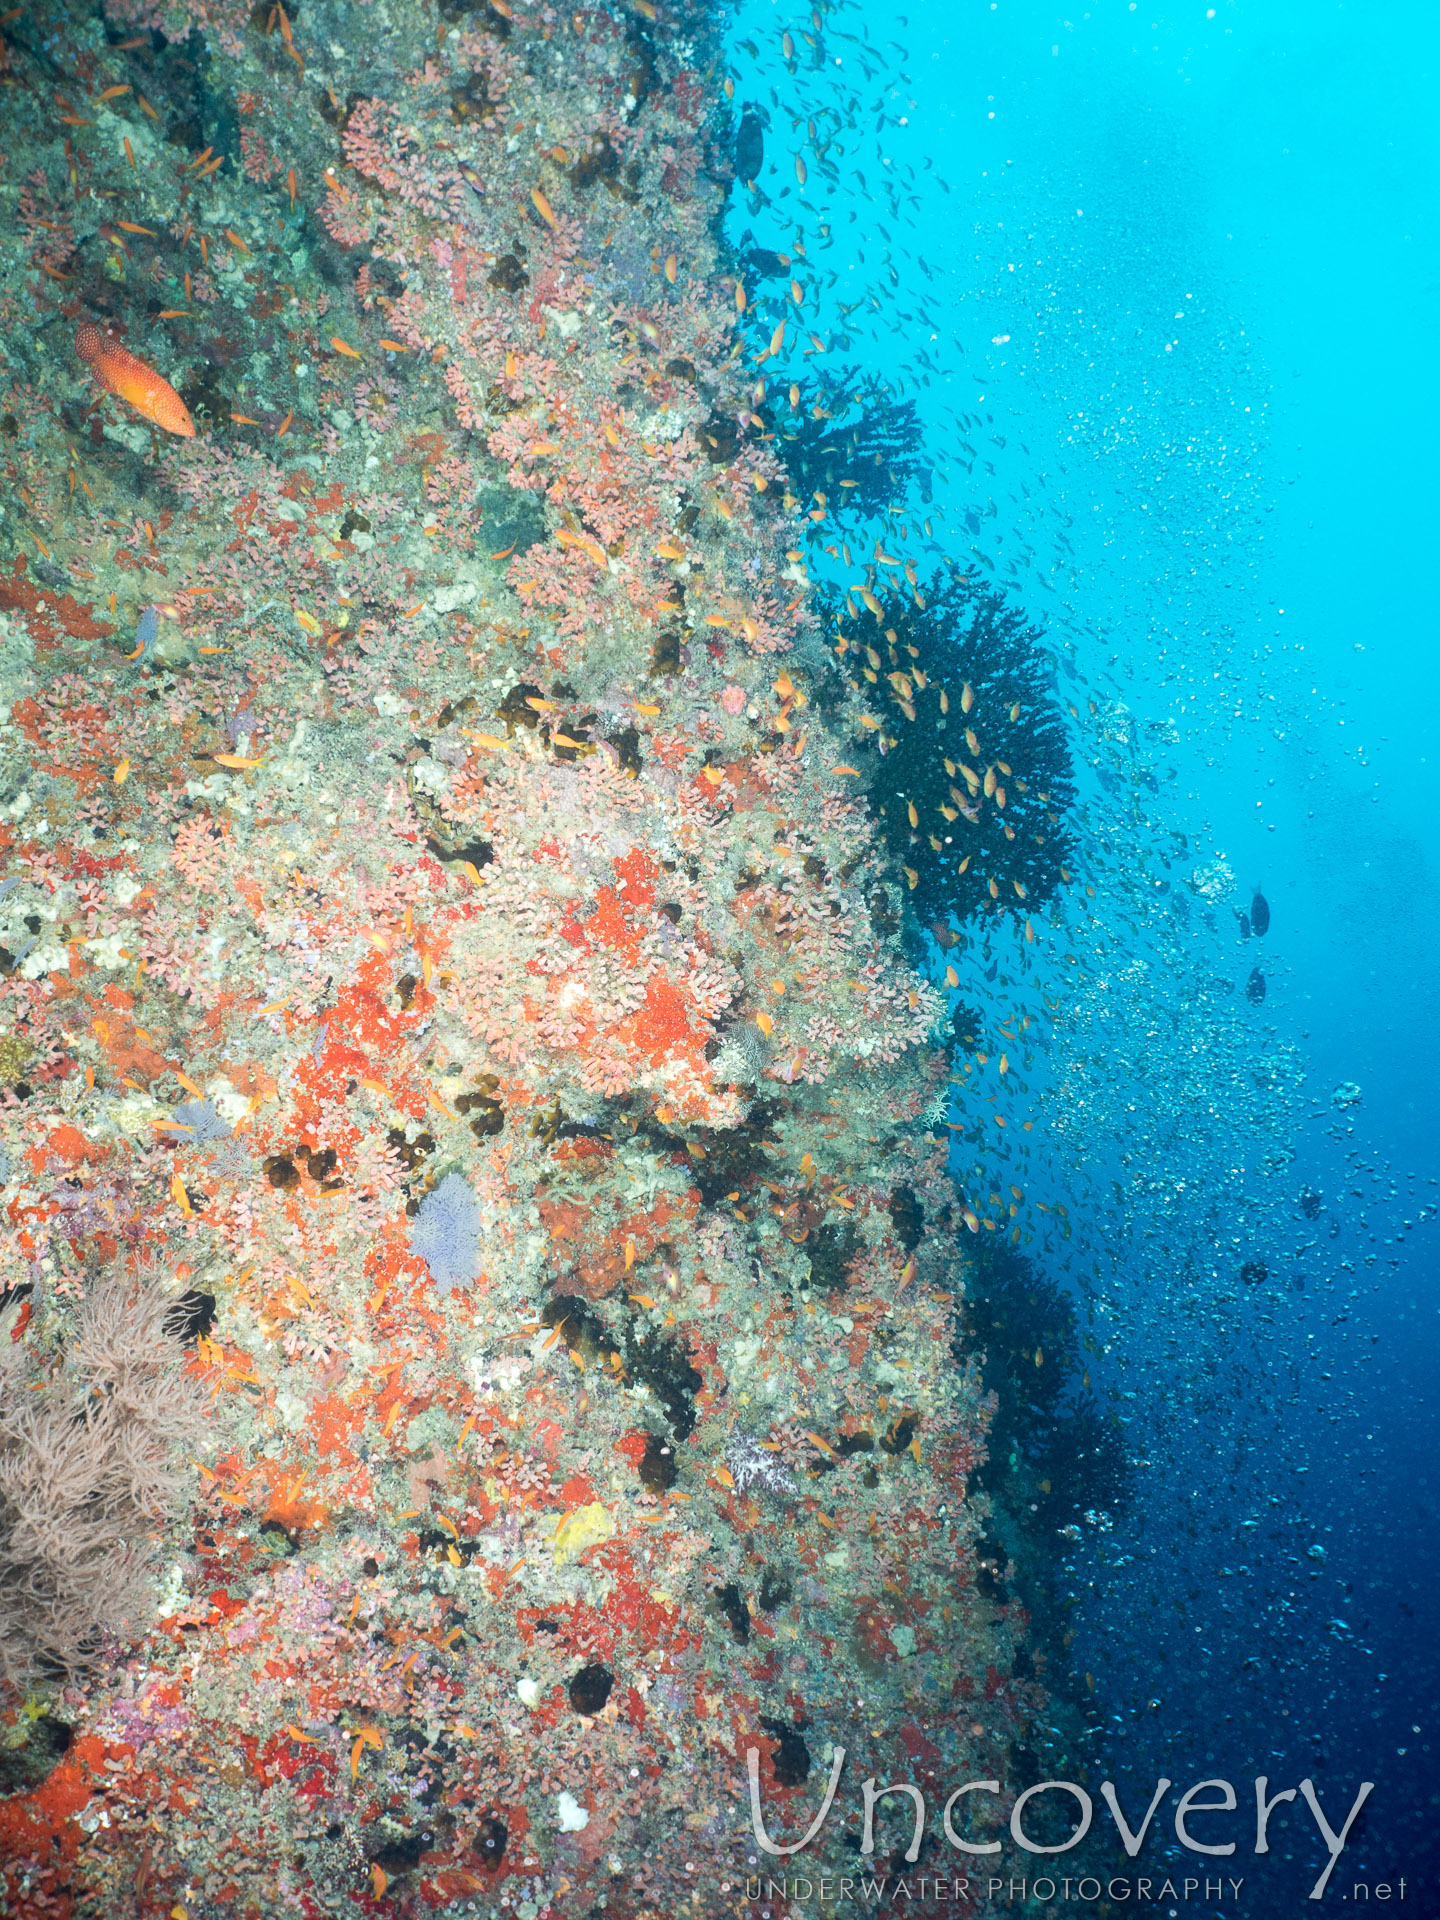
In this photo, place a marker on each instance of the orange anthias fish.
(130, 380)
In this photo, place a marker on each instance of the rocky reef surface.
(480, 1270)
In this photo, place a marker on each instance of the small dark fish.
(750, 146)
(765, 261)
(1255, 987)
(1244, 926)
(1260, 915)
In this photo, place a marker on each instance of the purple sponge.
(446, 1234)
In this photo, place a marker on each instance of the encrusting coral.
(432, 780)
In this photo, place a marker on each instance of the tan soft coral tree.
(91, 1465)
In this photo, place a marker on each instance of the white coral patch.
(49, 957)
(231, 1106)
(136, 1116)
(429, 774)
(108, 952)
(569, 1814)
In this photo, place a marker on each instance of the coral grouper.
(130, 380)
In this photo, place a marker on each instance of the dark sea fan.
(853, 442)
(969, 769)
(1054, 1459)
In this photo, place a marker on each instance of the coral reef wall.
(446, 954)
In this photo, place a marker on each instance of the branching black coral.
(966, 749)
(852, 445)
(89, 1469)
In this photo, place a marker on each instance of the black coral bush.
(969, 767)
(91, 1464)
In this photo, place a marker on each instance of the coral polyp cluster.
(448, 953)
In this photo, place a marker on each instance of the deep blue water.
(1177, 295)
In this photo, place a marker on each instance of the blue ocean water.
(1161, 286)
